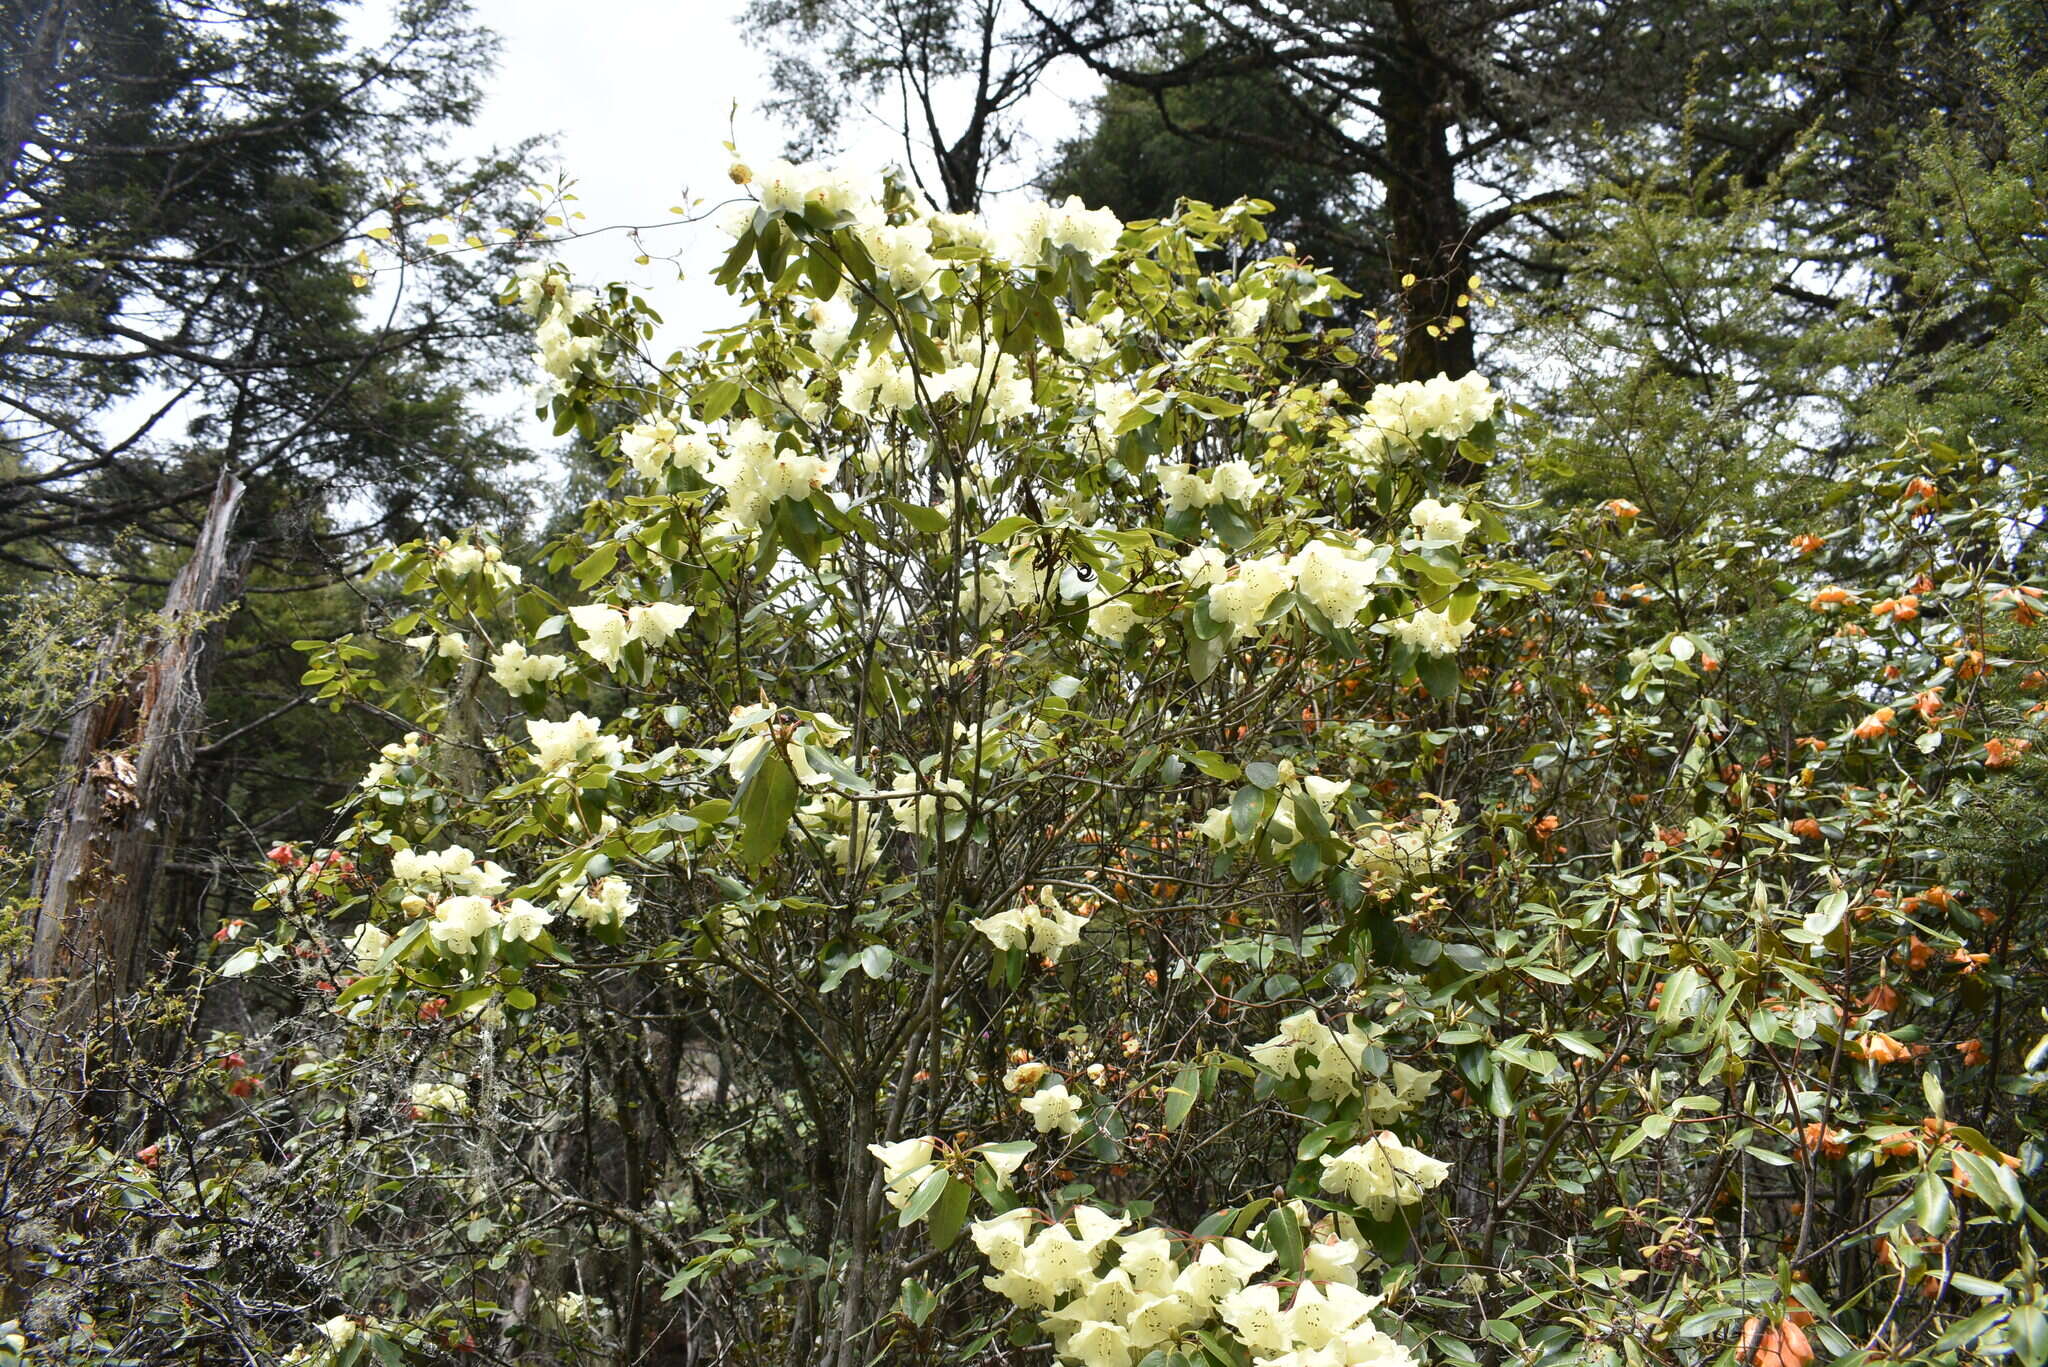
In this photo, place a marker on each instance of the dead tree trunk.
(126, 771)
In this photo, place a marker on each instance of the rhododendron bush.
(1042, 816)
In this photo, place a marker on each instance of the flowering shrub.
(1031, 745)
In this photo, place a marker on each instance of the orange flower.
(1816, 1138)
(2025, 601)
(1806, 543)
(1972, 1051)
(1806, 828)
(1941, 897)
(1920, 492)
(1832, 597)
(1968, 664)
(1875, 725)
(1879, 1047)
(1708, 663)
(1813, 743)
(2000, 753)
(1898, 609)
(1884, 997)
(1928, 703)
(1622, 508)
(1970, 962)
(1782, 1346)
(1917, 953)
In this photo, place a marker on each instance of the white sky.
(639, 96)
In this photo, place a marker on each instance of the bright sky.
(638, 96)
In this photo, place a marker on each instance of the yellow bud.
(741, 173)
(1408, 281)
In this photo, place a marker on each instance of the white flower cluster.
(561, 747)
(1114, 401)
(903, 252)
(1336, 577)
(437, 1098)
(758, 469)
(656, 445)
(1044, 926)
(1234, 481)
(519, 673)
(905, 1165)
(460, 559)
(455, 869)
(1053, 1108)
(545, 293)
(1160, 1289)
(1436, 521)
(1027, 231)
(1242, 600)
(1403, 414)
(920, 813)
(1336, 1067)
(384, 768)
(1382, 1174)
(786, 189)
(1431, 630)
(459, 922)
(882, 384)
(608, 628)
(1113, 616)
(606, 901)
(1414, 848)
(908, 1163)
(1325, 793)
(1001, 585)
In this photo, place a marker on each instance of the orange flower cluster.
(1806, 543)
(1783, 1344)
(1875, 725)
(2003, 753)
(1818, 1139)
(2025, 603)
(1830, 598)
(1878, 1047)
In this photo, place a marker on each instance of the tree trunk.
(126, 770)
(1430, 228)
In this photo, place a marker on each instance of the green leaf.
(765, 807)
(597, 564)
(1180, 1098)
(924, 1198)
(1439, 674)
(950, 1213)
(1283, 1234)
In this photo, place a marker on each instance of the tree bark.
(126, 770)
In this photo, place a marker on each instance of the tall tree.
(952, 75)
(186, 191)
